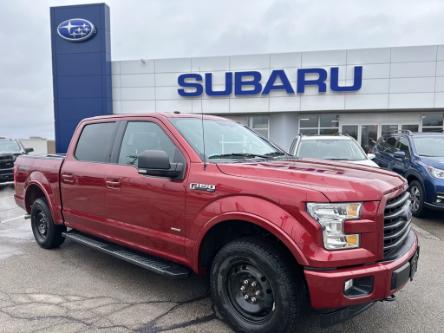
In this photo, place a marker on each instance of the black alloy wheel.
(257, 287)
(47, 234)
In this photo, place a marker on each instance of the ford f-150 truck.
(178, 193)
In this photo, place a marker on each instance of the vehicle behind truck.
(180, 194)
(9, 150)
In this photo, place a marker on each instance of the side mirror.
(400, 155)
(371, 156)
(29, 150)
(157, 163)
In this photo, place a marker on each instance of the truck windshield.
(331, 149)
(429, 146)
(224, 139)
(9, 147)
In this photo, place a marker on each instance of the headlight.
(437, 173)
(331, 217)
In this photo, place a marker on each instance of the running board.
(146, 261)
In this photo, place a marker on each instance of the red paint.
(116, 203)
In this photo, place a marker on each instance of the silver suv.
(331, 147)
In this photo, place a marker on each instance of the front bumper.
(326, 287)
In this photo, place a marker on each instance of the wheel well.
(227, 231)
(411, 178)
(32, 194)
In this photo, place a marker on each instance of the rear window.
(95, 142)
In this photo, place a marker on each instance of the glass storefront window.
(351, 130)
(369, 137)
(309, 121)
(325, 124)
(329, 120)
(388, 129)
(329, 131)
(260, 124)
(432, 122)
(412, 128)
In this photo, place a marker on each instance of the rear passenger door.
(146, 212)
(83, 180)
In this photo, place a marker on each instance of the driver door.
(146, 212)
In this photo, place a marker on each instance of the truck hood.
(337, 181)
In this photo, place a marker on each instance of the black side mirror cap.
(29, 150)
(157, 163)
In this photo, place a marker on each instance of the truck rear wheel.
(256, 288)
(47, 234)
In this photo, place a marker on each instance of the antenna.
(203, 130)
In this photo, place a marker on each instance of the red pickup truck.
(177, 194)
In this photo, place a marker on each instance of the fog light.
(348, 284)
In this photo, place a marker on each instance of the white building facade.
(401, 88)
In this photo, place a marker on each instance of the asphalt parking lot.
(76, 289)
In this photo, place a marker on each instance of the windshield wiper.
(429, 155)
(276, 153)
(237, 155)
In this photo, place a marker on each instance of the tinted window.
(403, 145)
(387, 144)
(95, 142)
(142, 135)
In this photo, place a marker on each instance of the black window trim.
(110, 149)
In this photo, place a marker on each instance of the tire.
(280, 287)
(47, 234)
(417, 192)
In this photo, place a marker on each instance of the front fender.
(255, 210)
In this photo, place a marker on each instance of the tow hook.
(391, 298)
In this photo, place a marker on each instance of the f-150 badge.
(203, 187)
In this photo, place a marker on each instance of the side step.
(146, 261)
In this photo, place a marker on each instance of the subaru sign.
(76, 30)
(251, 83)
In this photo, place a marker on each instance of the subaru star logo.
(76, 30)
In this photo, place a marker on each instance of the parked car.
(331, 147)
(9, 150)
(419, 157)
(177, 194)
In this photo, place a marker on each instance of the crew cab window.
(403, 145)
(387, 144)
(95, 142)
(142, 135)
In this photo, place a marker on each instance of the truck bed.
(43, 171)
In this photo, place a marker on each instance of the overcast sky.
(181, 28)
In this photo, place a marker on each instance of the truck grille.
(397, 222)
(6, 162)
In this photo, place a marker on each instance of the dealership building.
(365, 93)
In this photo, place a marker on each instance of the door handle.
(113, 183)
(68, 178)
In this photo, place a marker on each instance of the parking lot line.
(12, 219)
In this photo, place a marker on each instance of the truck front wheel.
(47, 234)
(256, 288)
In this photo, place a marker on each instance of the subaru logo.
(76, 30)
